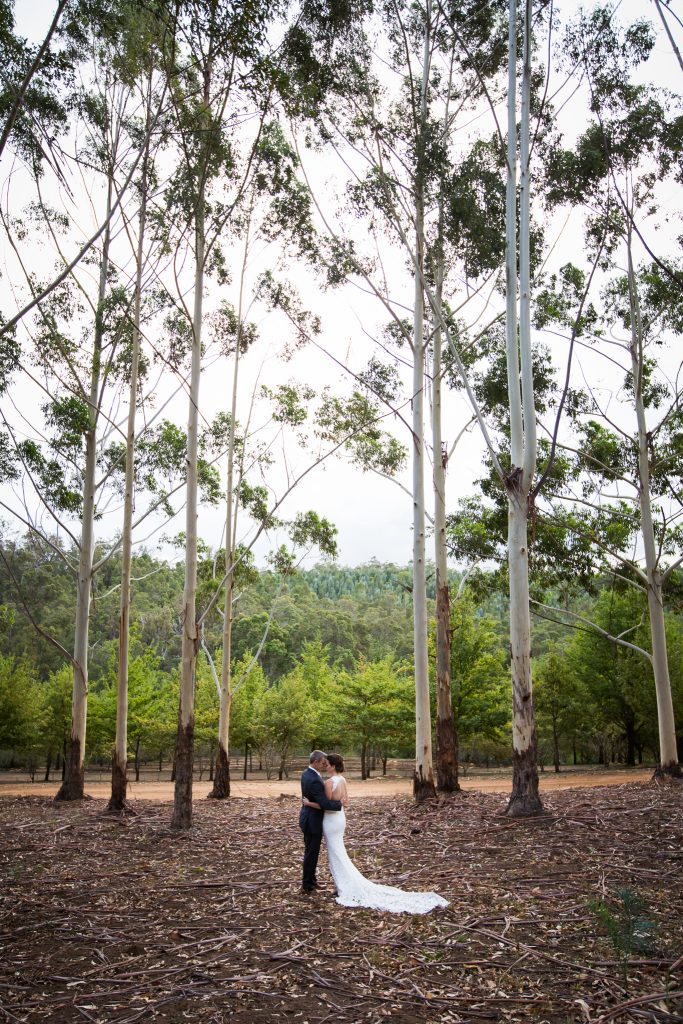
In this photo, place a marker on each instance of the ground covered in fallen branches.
(577, 916)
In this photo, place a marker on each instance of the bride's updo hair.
(337, 762)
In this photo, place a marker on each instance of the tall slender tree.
(518, 481)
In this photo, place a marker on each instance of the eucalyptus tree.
(32, 106)
(39, 95)
(139, 62)
(225, 78)
(34, 93)
(324, 426)
(627, 464)
(215, 53)
(73, 465)
(397, 146)
(87, 371)
(519, 479)
(253, 501)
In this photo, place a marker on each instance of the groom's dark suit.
(311, 822)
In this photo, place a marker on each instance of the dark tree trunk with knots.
(423, 786)
(446, 737)
(119, 786)
(525, 801)
(221, 775)
(73, 779)
(184, 762)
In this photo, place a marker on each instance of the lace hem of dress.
(399, 902)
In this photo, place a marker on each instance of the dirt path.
(499, 783)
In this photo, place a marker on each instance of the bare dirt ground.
(573, 917)
(374, 787)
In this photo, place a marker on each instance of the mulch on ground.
(577, 916)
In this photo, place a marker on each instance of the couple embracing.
(324, 796)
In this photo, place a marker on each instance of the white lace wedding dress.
(353, 889)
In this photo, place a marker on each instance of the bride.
(353, 889)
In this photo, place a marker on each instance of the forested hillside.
(335, 667)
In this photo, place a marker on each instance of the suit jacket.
(313, 788)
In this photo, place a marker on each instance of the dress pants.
(312, 840)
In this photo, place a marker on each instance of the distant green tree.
(22, 708)
(618, 678)
(250, 690)
(285, 715)
(374, 708)
(559, 699)
(147, 694)
(479, 674)
(57, 691)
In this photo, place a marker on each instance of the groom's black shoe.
(306, 892)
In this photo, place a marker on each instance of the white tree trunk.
(668, 753)
(119, 770)
(221, 782)
(423, 779)
(524, 799)
(74, 773)
(182, 809)
(446, 739)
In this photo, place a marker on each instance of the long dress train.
(354, 890)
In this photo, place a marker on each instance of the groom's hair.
(316, 755)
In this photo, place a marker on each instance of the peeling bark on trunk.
(524, 799)
(423, 786)
(119, 783)
(73, 773)
(424, 770)
(182, 799)
(221, 776)
(446, 737)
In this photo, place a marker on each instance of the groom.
(311, 818)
